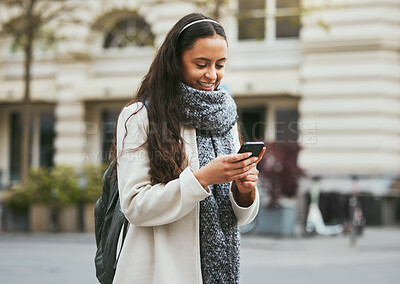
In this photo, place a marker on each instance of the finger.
(247, 169)
(245, 175)
(250, 178)
(239, 176)
(246, 186)
(238, 157)
(261, 154)
(252, 169)
(252, 175)
(245, 163)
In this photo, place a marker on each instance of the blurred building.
(326, 74)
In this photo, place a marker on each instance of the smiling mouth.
(205, 85)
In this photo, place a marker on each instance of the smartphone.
(253, 147)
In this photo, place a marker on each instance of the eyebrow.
(206, 59)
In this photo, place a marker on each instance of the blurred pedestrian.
(183, 188)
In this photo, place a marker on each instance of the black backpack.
(109, 221)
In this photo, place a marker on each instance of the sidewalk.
(47, 259)
(375, 258)
(68, 258)
(373, 237)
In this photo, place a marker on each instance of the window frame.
(131, 24)
(270, 15)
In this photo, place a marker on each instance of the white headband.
(198, 21)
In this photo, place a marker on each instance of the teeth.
(205, 85)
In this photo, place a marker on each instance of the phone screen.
(253, 147)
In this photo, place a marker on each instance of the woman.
(182, 188)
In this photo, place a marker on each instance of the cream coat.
(162, 243)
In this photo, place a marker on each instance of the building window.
(287, 18)
(268, 20)
(15, 146)
(47, 136)
(252, 123)
(286, 125)
(132, 31)
(42, 136)
(109, 118)
(251, 19)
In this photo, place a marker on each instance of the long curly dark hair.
(161, 88)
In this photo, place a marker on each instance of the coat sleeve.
(142, 203)
(244, 215)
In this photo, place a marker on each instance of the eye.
(201, 65)
(219, 66)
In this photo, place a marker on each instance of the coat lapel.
(189, 137)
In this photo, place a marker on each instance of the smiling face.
(204, 64)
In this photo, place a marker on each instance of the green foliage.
(59, 187)
(39, 186)
(37, 190)
(16, 198)
(94, 179)
(65, 183)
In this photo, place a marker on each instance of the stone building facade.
(332, 84)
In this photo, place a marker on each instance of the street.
(374, 259)
(68, 258)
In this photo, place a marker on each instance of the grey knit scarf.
(213, 114)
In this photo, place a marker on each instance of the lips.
(206, 86)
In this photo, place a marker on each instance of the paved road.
(47, 259)
(68, 258)
(324, 260)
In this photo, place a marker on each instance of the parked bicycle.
(356, 213)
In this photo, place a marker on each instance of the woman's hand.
(244, 187)
(226, 168)
(247, 184)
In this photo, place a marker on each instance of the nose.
(211, 74)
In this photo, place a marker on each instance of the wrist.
(199, 176)
(246, 191)
(243, 199)
(243, 190)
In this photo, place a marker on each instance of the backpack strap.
(125, 231)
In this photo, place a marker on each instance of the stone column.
(70, 142)
(4, 147)
(72, 63)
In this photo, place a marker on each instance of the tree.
(279, 170)
(30, 25)
(215, 6)
(212, 7)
